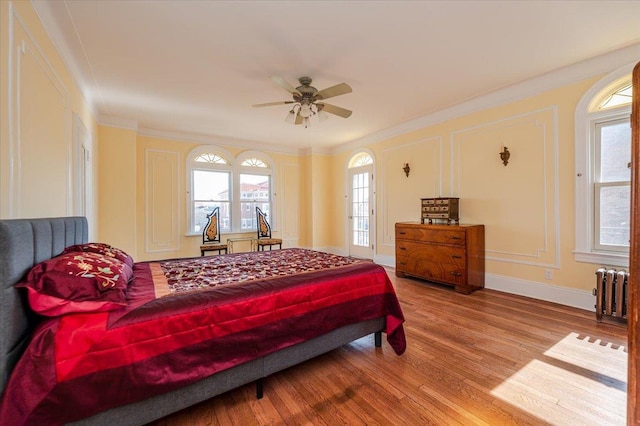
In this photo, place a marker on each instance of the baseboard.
(385, 260)
(551, 293)
(378, 258)
(332, 250)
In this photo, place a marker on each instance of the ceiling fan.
(306, 100)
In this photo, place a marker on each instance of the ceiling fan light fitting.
(291, 116)
(305, 110)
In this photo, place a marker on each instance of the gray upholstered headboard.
(23, 244)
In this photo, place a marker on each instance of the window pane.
(621, 96)
(360, 209)
(255, 192)
(210, 158)
(253, 162)
(210, 186)
(614, 215)
(361, 159)
(615, 151)
(203, 208)
(255, 187)
(210, 189)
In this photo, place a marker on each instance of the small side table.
(230, 241)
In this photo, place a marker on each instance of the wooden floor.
(488, 358)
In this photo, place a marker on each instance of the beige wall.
(40, 109)
(117, 204)
(143, 207)
(527, 207)
(306, 203)
(322, 229)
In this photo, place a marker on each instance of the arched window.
(603, 156)
(209, 171)
(360, 159)
(253, 162)
(210, 157)
(255, 184)
(614, 95)
(235, 185)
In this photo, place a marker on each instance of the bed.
(183, 335)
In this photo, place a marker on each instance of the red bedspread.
(187, 319)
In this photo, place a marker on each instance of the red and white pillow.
(80, 280)
(102, 248)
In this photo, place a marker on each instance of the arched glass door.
(361, 206)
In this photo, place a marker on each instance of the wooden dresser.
(447, 254)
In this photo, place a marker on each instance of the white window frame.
(252, 170)
(598, 185)
(585, 171)
(193, 165)
(235, 168)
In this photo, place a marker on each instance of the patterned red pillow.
(102, 248)
(77, 282)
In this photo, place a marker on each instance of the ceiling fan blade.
(336, 110)
(285, 85)
(272, 104)
(337, 90)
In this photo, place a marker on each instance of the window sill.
(601, 258)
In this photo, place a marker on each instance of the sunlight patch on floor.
(597, 355)
(573, 376)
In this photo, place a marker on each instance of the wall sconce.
(504, 155)
(406, 169)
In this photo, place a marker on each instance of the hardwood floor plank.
(295, 410)
(485, 358)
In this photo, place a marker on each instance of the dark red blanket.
(188, 319)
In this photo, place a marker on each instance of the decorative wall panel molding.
(40, 151)
(518, 203)
(162, 175)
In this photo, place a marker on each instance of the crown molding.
(555, 79)
(315, 151)
(119, 122)
(217, 140)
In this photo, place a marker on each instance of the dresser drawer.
(435, 236)
(437, 254)
(431, 270)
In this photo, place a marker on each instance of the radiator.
(611, 293)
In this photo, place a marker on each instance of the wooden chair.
(211, 234)
(264, 232)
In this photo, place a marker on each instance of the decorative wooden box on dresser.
(447, 254)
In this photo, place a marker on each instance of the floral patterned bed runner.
(201, 273)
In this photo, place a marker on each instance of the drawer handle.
(456, 257)
(456, 274)
(402, 248)
(456, 238)
(402, 233)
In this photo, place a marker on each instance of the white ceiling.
(198, 66)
